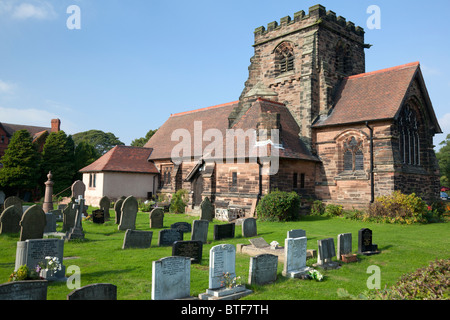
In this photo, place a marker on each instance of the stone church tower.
(300, 62)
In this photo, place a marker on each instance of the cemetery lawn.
(404, 248)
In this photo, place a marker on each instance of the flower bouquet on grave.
(316, 275)
(49, 269)
(229, 285)
(24, 273)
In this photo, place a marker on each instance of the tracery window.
(284, 58)
(353, 155)
(409, 140)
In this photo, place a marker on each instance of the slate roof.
(34, 131)
(123, 159)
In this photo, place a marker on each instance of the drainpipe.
(372, 182)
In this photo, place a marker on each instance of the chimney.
(56, 124)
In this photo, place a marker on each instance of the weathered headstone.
(34, 251)
(191, 249)
(365, 245)
(33, 223)
(76, 232)
(263, 269)
(9, 220)
(222, 260)
(157, 218)
(97, 291)
(50, 225)
(223, 231)
(104, 205)
(16, 202)
(48, 196)
(58, 213)
(200, 230)
(249, 228)
(325, 253)
(344, 244)
(259, 243)
(182, 226)
(98, 216)
(24, 290)
(295, 258)
(118, 209)
(78, 188)
(207, 210)
(296, 233)
(129, 212)
(171, 278)
(137, 239)
(69, 216)
(167, 237)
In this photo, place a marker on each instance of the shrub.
(317, 207)
(332, 210)
(279, 206)
(179, 201)
(146, 206)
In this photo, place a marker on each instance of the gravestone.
(296, 233)
(129, 213)
(249, 228)
(325, 253)
(171, 278)
(76, 232)
(137, 239)
(157, 218)
(69, 216)
(48, 196)
(32, 252)
(50, 225)
(223, 231)
(259, 243)
(104, 205)
(295, 258)
(24, 290)
(365, 245)
(167, 237)
(98, 216)
(32, 223)
(182, 226)
(344, 245)
(10, 220)
(206, 210)
(263, 269)
(191, 249)
(16, 202)
(118, 209)
(200, 230)
(222, 260)
(78, 188)
(97, 291)
(58, 213)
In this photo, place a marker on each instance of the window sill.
(352, 175)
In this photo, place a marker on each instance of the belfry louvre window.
(284, 58)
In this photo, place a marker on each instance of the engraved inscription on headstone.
(190, 249)
(171, 278)
(263, 269)
(168, 236)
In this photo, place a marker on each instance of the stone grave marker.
(249, 228)
(14, 201)
(263, 269)
(259, 243)
(69, 216)
(50, 225)
(182, 226)
(104, 205)
(78, 188)
(58, 213)
(325, 253)
(171, 278)
(77, 232)
(223, 231)
(118, 209)
(96, 291)
(24, 290)
(9, 220)
(32, 223)
(129, 213)
(295, 258)
(200, 230)
(157, 218)
(207, 210)
(98, 216)
(296, 233)
(191, 249)
(365, 245)
(344, 245)
(137, 239)
(167, 237)
(33, 251)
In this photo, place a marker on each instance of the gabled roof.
(123, 159)
(376, 95)
(33, 130)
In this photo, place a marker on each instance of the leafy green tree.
(102, 141)
(85, 154)
(140, 142)
(443, 156)
(58, 156)
(20, 163)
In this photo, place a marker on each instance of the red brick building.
(345, 136)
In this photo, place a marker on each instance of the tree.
(140, 142)
(85, 154)
(20, 163)
(58, 157)
(443, 156)
(102, 141)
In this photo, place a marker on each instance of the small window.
(302, 181)
(353, 155)
(92, 178)
(284, 58)
(234, 179)
(295, 181)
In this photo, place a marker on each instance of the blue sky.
(135, 62)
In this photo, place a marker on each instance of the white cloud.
(6, 87)
(32, 9)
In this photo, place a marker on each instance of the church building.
(329, 130)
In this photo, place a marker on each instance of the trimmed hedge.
(279, 206)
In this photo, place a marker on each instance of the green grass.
(404, 248)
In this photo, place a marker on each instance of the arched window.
(409, 141)
(353, 155)
(284, 58)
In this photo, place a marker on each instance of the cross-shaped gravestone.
(77, 231)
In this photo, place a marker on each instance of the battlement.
(317, 15)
